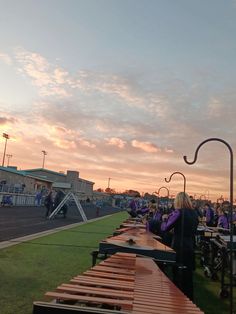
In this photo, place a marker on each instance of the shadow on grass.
(57, 244)
(207, 295)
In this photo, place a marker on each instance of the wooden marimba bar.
(122, 284)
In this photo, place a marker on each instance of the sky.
(121, 90)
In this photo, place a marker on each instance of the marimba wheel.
(224, 293)
(214, 277)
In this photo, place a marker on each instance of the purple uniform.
(209, 216)
(134, 206)
(184, 222)
(223, 222)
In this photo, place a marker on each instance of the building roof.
(23, 173)
(46, 170)
(13, 170)
(54, 172)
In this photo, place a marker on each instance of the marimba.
(122, 284)
(133, 224)
(221, 258)
(129, 224)
(138, 241)
(206, 237)
(225, 241)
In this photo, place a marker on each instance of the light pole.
(44, 154)
(167, 190)
(6, 136)
(181, 266)
(231, 187)
(8, 159)
(177, 172)
(163, 187)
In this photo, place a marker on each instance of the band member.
(184, 221)
(223, 221)
(209, 213)
(58, 198)
(48, 203)
(134, 206)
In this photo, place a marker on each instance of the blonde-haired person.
(184, 221)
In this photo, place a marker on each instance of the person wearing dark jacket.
(209, 213)
(48, 203)
(58, 198)
(184, 221)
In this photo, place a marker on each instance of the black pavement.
(19, 221)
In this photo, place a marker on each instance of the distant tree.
(99, 190)
(109, 190)
(132, 193)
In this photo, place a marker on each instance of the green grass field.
(30, 269)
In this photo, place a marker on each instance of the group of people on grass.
(176, 224)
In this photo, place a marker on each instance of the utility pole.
(109, 179)
(8, 159)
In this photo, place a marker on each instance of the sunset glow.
(120, 90)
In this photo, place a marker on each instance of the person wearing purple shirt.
(134, 206)
(155, 221)
(184, 221)
(223, 219)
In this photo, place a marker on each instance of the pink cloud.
(6, 120)
(168, 150)
(145, 146)
(51, 80)
(72, 130)
(86, 143)
(5, 58)
(115, 141)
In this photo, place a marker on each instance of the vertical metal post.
(181, 267)
(108, 186)
(231, 206)
(177, 172)
(158, 193)
(163, 187)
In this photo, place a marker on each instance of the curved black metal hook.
(177, 172)
(199, 146)
(163, 187)
(231, 205)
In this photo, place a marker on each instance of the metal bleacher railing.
(14, 195)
